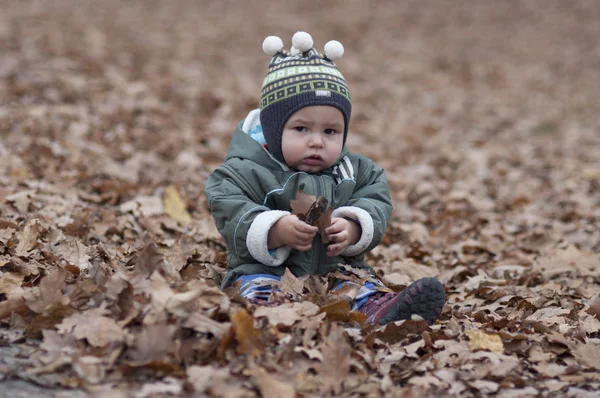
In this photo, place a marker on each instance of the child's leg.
(258, 286)
(364, 292)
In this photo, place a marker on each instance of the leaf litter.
(110, 262)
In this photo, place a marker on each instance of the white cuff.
(258, 236)
(366, 224)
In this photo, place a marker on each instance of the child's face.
(313, 138)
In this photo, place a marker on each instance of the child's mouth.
(313, 160)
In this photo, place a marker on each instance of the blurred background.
(457, 94)
(485, 115)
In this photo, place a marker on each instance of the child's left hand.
(341, 233)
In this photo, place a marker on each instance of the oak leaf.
(247, 336)
(335, 367)
(28, 238)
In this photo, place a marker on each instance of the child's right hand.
(291, 231)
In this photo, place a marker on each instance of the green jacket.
(251, 191)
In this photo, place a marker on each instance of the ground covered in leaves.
(113, 113)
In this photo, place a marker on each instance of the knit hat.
(299, 78)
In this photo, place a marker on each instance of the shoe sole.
(425, 298)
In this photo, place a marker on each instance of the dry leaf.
(496, 195)
(202, 377)
(203, 324)
(587, 354)
(313, 211)
(175, 206)
(143, 206)
(270, 386)
(51, 287)
(286, 314)
(169, 385)
(334, 369)
(15, 305)
(247, 336)
(10, 285)
(337, 311)
(154, 343)
(302, 203)
(595, 308)
(480, 340)
(398, 331)
(74, 252)
(290, 284)
(28, 238)
(94, 326)
(90, 368)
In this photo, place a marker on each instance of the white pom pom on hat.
(334, 50)
(302, 41)
(271, 45)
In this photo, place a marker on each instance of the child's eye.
(329, 131)
(300, 128)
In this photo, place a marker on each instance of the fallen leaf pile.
(112, 115)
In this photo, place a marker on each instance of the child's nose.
(316, 140)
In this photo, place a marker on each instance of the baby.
(296, 142)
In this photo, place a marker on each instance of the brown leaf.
(143, 205)
(337, 311)
(359, 317)
(398, 331)
(12, 305)
(90, 368)
(6, 234)
(323, 222)
(286, 314)
(74, 252)
(313, 211)
(569, 260)
(148, 260)
(57, 346)
(587, 354)
(203, 324)
(335, 368)
(290, 284)
(247, 336)
(51, 315)
(218, 382)
(28, 238)
(93, 326)
(302, 203)
(202, 377)
(51, 287)
(155, 343)
(595, 308)
(316, 210)
(10, 285)
(270, 386)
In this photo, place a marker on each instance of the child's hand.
(291, 231)
(342, 233)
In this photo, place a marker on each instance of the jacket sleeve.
(241, 218)
(370, 205)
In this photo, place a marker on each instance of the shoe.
(425, 298)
